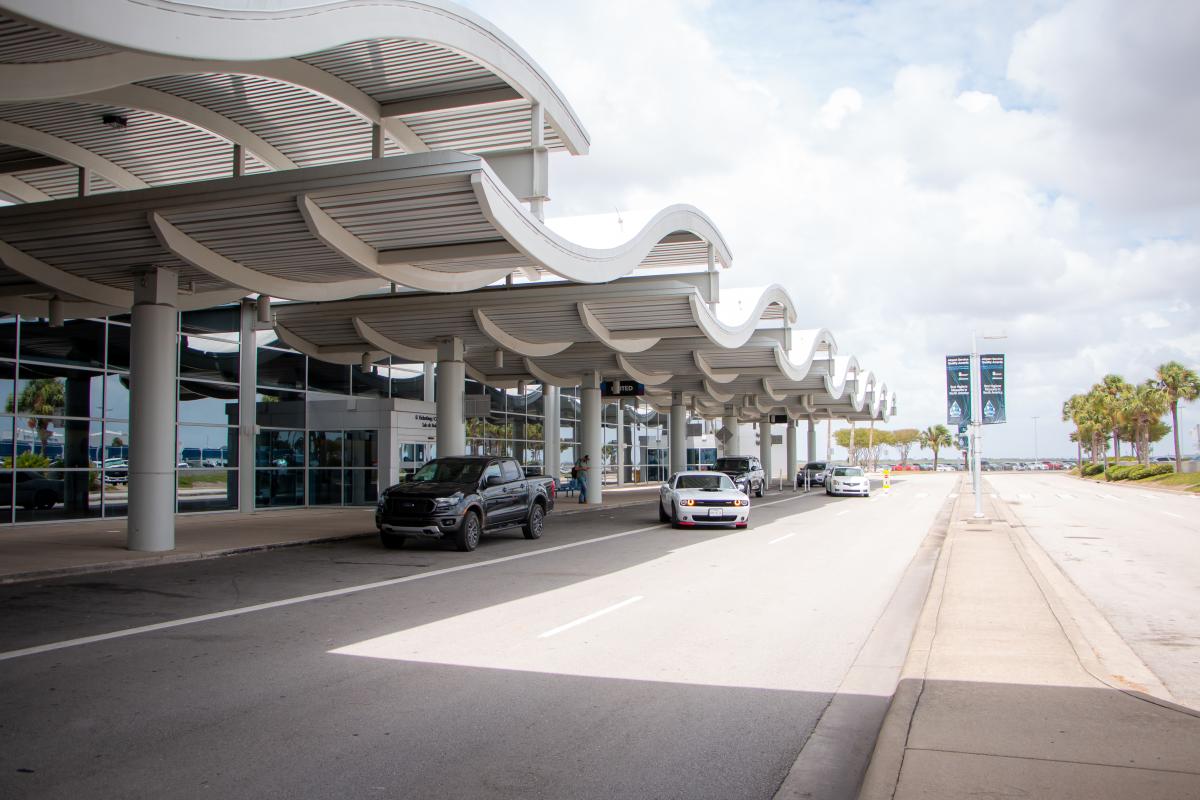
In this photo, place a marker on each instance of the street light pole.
(1035, 458)
(976, 426)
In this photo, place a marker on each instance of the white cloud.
(963, 183)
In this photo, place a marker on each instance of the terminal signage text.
(622, 389)
(991, 387)
(958, 390)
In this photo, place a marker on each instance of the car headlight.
(448, 502)
(688, 502)
(738, 502)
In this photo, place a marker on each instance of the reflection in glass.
(279, 449)
(362, 448)
(78, 342)
(278, 487)
(209, 403)
(281, 369)
(324, 487)
(325, 448)
(361, 487)
(207, 447)
(277, 408)
(206, 489)
(208, 359)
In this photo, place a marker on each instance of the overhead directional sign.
(622, 388)
(779, 419)
(991, 386)
(958, 390)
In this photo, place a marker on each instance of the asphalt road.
(613, 658)
(1134, 552)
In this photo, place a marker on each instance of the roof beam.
(217, 265)
(57, 280)
(446, 252)
(622, 344)
(19, 190)
(512, 343)
(61, 149)
(413, 355)
(447, 101)
(354, 249)
(194, 114)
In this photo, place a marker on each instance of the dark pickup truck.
(459, 498)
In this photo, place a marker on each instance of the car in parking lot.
(848, 480)
(815, 470)
(34, 489)
(745, 471)
(695, 498)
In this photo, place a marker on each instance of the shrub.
(28, 460)
(1119, 473)
(1153, 470)
(1092, 469)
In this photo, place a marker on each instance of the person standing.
(583, 468)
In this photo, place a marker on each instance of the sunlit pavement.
(615, 657)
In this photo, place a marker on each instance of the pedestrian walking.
(582, 468)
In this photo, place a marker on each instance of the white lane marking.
(291, 601)
(1066, 497)
(1150, 496)
(842, 513)
(1176, 516)
(1112, 497)
(781, 538)
(589, 617)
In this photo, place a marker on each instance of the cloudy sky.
(913, 171)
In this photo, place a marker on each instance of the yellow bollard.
(887, 479)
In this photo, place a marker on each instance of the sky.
(913, 171)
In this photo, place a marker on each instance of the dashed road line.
(589, 617)
(1173, 514)
(842, 513)
(781, 538)
(1113, 497)
(1066, 497)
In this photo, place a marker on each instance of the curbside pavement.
(1016, 686)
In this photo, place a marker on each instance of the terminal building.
(270, 259)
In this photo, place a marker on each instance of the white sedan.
(703, 498)
(848, 480)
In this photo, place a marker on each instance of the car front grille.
(409, 507)
(714, 502)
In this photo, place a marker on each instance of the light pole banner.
(991, 383)
(958, 390)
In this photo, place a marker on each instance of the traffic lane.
(262, 695)
(1135, 554)
(66, 608)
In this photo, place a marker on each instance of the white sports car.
(703, 498)
(848, 480)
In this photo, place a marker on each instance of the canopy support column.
(812, 439)
(552, 429)
(152, 352)
(678, 439)
(791, 452)
(593, 438)
(247, 407)
(451, 382)
(764, 447)
(729, 422)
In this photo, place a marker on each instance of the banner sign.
(991, 383)
(958, 389)
(622, 389)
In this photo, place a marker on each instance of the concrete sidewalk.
(1016, 686)
(52, 550)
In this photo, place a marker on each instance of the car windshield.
(448, 471)
(712, 483)
(848, 472)
(818, 465)
(732, 465)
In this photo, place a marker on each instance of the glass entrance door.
(412, 456)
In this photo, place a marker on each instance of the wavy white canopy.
(292, 88)
(662, 332)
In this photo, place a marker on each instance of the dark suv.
(746, 472)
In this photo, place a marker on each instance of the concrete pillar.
(247, 422)
(592, 437)
(790, 442)
(622, 456)
(552, 428)
(764, 447)
(678, 440)
(451, 383)
(427, 390)
(811, 442)
(78, 398)
(729, 422)
(152, 452)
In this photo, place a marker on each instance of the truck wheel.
(468, 535)
(533, 526)
(391, 541)
(662, 515)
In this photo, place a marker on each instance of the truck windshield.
(732, 465)
(448, 471)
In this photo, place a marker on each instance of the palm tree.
(40, 398)
(1178, 383)
(1073, 411)
(1146, 404)
(934, 438)
(1113, 392)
